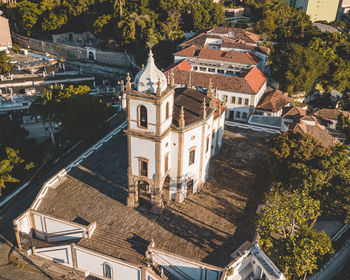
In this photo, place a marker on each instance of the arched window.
(167, 111)
(142, 116)
(107, 271)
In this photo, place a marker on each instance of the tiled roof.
(330, 114)
(293, 112)
(251, 82)
(191, 100)
(200, 42)
(230, 56)
(238, 33)
(180, 65)
(319, 132)
(273, 101)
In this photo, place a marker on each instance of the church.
(118, 210)
(172, 134)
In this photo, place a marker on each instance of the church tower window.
(192, 156)
(142, 116)
(167, 111)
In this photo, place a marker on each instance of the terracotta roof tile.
(200, 41)
(250, 83)
(237, 33)
(273, 101)
(230, 56)
(317, 131)
(330, 114)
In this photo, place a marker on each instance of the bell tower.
(150, 101)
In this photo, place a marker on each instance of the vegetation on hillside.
(303, 58)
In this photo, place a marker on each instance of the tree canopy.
(80, 114)
(300, 163)
(5, 65)
(7, 165)
(145, 21)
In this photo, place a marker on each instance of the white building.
(158, 115)
(241, 93)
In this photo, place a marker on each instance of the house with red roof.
(241, 93)
(272, 103)
(242, 45)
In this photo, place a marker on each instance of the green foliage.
(300, 163)
(27, 15)
(11, 133)
(5, 65)
(53, 21)
(7, 165)
(297, 68)
(286, 234)
(302, 57)
(81, 114)
(133, 21)
(16, 48)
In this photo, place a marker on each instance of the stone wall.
(116, 59)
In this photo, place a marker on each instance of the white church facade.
(172, 134)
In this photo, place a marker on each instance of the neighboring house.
(330, 117)
(317, 9)
(5, 35)
(217, 61)
(230, 41)
(241, 93)
(291, 115)
(344, 9)
(80, 217)
(272, 103)
(309, 125)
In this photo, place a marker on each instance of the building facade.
(172, 134)
(5, 35)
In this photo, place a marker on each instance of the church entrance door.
(166, 190)
(189, 187)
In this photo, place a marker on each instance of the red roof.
(181, 65)
(273, 101)
(255, 79)
(250, 83)
(230, 56)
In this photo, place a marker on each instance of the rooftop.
(207, 226)
(236, 33)
(201, 41)
(273, 101)
(250, 82)
(229, 56)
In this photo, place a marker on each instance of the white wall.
(54, 229)
(183, 268)
(58, 254)
(145, 149)
(92, 262)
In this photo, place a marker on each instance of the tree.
(8, 164)
(53, 21)
(5, 65)
(28, 14)
(297, 68)
(79, 113)
(12, 134)
(301, 163)
(286, 233)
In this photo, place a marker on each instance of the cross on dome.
(146, 80)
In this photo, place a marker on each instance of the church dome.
(146, 80)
